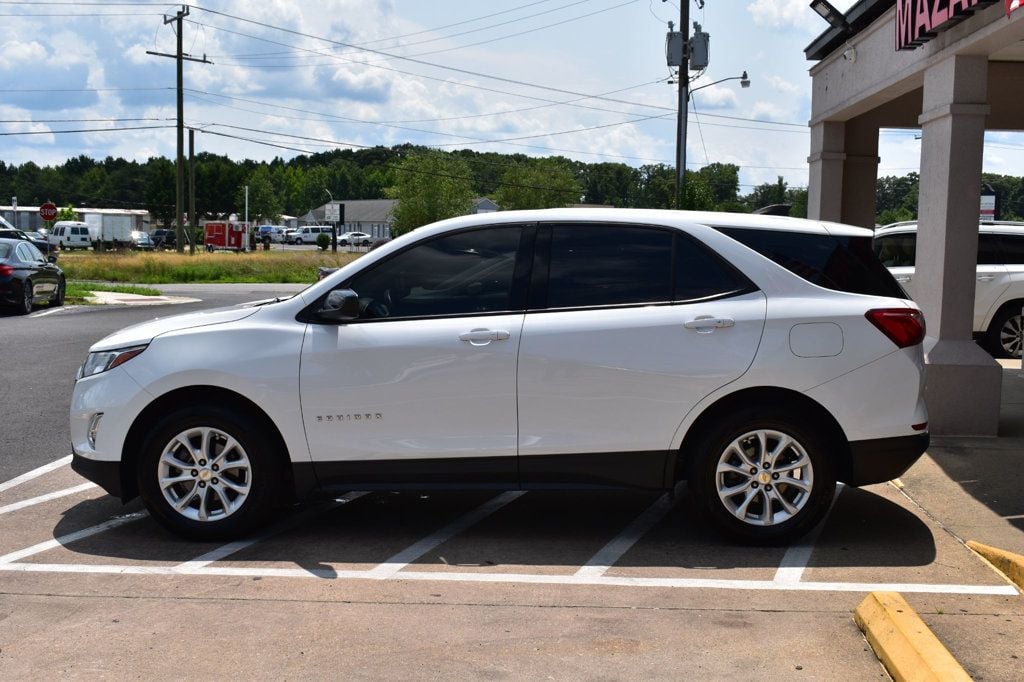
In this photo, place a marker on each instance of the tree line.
(431, 185)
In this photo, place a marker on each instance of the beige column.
(825, 184)
(860, 174)
(964, 382)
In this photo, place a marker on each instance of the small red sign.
(48, 211)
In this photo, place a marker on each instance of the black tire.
(1005, 336)
(298, 242)
(58, 296)
(24, 306)
(714, 446)
(262, 474)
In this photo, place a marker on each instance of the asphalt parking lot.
(481, 584)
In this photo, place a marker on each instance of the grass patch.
(78, 292)
(174, 268)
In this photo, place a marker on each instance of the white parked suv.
(761, 358)
(999, 286)
(309, 233)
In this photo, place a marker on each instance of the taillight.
(6, 270)
(903, 326)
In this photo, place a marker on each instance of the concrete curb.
(902, 642)
(1009, 564)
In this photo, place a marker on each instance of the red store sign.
(918, 21)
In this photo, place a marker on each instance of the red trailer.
(230, 236)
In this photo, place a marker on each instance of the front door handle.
(705, 324)
(902, 279)
(986, 278)
(482, 337)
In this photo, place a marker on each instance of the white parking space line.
(46, 498)
(69, 538)
(526, 578)
(227, 550)
(399, 561)
(606, 557)
(48, 312)
(35, 473)
(794, 561)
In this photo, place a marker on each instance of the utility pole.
(684, 98)
(192, 222)
(180, 56)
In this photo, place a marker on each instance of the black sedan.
(27, 277)
(39, 241)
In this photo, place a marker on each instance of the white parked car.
(998, 288)
(761, 358)
(355, 239)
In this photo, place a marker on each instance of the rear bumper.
(106, 475)
(883, 459)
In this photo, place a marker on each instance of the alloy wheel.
(204, 474)
(1011, 336)
(764, 477)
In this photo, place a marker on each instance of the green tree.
(160, 198)
(698, 193)
(768, 194)
(723, 179)
(264, 202)
(430, 186)
(66, 213)
(657, 186)
(538, 183)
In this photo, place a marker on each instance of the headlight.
(98, 363)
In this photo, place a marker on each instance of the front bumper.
(883, 459)
(106, 475)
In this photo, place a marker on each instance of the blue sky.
(469, 80)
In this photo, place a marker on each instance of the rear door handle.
(986, 278)
(902, 279)
(481, 337)
(705, 324)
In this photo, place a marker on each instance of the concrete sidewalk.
(975, 486)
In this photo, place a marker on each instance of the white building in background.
(27, 217)
(375, 216)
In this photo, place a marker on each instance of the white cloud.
(15, 52)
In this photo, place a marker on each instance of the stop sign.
(48, 211)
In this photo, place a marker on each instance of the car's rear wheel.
(208, 473)
(763, 477)
(24, 306)
(1005, 337)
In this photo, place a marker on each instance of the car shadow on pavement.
(539, 531)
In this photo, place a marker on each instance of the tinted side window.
(896, 250)
(594, 265)
(1013, 249)
(840, 263)
(700, 273)
(458, 274)
(988, 250)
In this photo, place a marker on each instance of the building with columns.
(952, 69)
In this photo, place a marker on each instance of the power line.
(413, 60)
(81, 120)
(83, 130)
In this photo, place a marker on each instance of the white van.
(70, 234)
(308, 234)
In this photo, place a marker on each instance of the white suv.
(999, 286)
(309, 233)
(760, 358)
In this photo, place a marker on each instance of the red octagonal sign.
(48, 211)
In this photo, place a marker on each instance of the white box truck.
(110, 231)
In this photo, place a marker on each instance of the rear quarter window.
(837, 262)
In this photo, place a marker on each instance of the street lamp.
(834, 17)
(684, 105)
(334, 226)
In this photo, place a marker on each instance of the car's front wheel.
(762, 478)
(58, 295)
(208, 473)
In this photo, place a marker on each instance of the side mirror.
(341, 305)
(51, 259)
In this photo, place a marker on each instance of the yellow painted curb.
(902, 642)
(1009, 564)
